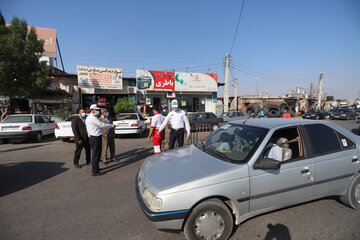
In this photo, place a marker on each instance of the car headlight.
(154, 203)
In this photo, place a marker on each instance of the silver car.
(205, 189)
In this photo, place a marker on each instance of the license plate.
(122, 124)
(10, 128)
(66, 126)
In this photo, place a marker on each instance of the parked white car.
(63, 129)
(26, 126)
(130, 123)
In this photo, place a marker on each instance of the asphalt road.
(43, 197)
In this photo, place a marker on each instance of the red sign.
(163, 81)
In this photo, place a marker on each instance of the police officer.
(178, 121)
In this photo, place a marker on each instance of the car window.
(18, 119)
(323, 139)
(240, 114)
(208, 116)
(39, 119)
(346, 143)
(285, 145)
(46, 120)
(233, 142)
(128, 116)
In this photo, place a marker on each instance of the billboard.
(49, 37)
(155, 80)
(99, 77)
(196, 82)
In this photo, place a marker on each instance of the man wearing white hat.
(178, 121)
(95, 128)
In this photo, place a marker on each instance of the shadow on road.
(129, 157)
(18, 176)
(277, 232)
(23, 148)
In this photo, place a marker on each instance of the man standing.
(81, 137)
(178, 121)
(95, 129)
(156, 122)
(108, 139)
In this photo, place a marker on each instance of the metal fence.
(198, 133)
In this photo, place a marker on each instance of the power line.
(237, 26)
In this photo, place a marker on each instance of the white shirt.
(276, 153)
(94, 126)
(157, 120)
(177, 120)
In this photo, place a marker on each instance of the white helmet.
(174, 104)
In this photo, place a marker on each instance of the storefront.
(195, 92)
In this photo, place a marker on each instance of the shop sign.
(99, 77)
(101, 101)
(196, 82)
(155, 80)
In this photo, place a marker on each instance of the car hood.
(188, 164)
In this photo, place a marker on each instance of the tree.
(64, 111)
(124, 105)
(21, 72)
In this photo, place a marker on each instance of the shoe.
(77, 166)
(97, 174)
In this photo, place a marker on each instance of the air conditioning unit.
(132, 90)
(170, 95)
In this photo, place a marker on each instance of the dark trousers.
(95, 144)
(176, 135)
(78, 149)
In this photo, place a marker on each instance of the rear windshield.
(18, 119)
(127, 116)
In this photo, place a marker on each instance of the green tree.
(64, 111)
(21, 72)
(124, 105)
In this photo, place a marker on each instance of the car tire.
(38, 137)
(65, 139)
(214, 127)
(210, 219)
(352, 196)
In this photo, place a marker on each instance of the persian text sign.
(155, 80)
(196, 82)
(49, 37)
(99, 77)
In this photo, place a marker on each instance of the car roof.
(273, 122)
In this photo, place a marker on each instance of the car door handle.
(355, 160)
(305, 170)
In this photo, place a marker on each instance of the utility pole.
(320, 90)
(235, 94)
(226, 87)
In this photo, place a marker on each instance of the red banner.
(163, 81)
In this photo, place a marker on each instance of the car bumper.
(127, 130)
(340, 117)
(17, 135)
(164, 221)
(63, 134)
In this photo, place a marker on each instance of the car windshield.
(127, 116)
(234, 143)
(226, 114)
(18, 119)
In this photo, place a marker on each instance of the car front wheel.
(38, 137)
(352, 196)
(210, 219)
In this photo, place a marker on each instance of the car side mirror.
(267, 164)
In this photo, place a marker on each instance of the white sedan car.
(63, 129)
(26, 126)
(130, 123)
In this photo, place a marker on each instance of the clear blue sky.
(283, 43)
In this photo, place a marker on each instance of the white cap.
(174, 103)
(94, 106)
